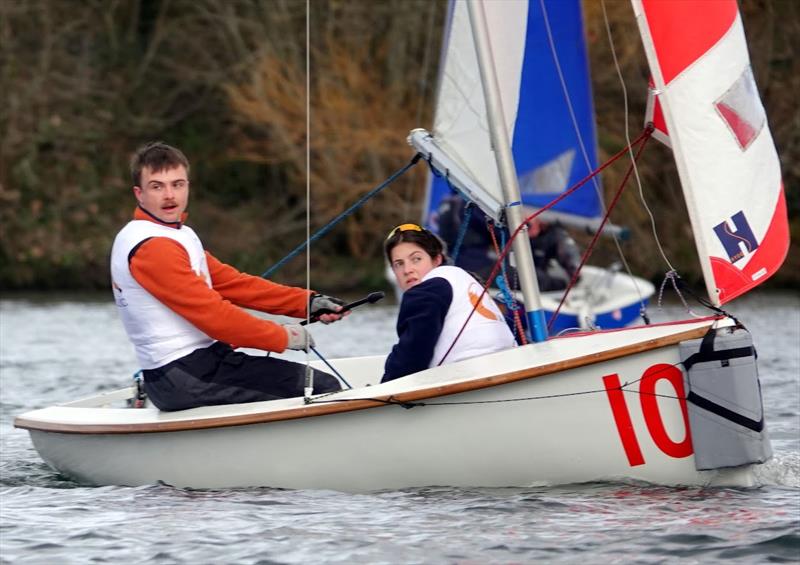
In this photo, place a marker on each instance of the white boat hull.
(503, 437)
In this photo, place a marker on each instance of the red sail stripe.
(702, 23)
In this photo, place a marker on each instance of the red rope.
(590, 248)
(523, 225)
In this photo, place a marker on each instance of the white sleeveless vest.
(159, 335)
(486, 331)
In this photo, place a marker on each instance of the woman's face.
(410, 263)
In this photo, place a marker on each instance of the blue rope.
(330, 366)
(510, 301)
(462, 231)
(507, 297)
(326, 228)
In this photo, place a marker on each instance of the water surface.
(53, 350)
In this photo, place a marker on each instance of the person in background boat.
(182, 308)
(437, 301)
(550, 243)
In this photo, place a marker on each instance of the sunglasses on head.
(404, 227)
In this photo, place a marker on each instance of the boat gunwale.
(321, 407)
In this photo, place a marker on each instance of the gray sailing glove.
(321, 304)
(299, 338)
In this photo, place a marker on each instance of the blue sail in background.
(549, 155)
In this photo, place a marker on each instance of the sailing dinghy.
(675, 403)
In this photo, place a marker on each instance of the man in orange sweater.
(182, 308)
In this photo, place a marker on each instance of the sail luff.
(659, 86)
(506, 170)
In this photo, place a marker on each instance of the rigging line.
(309, 380)
(627, 138)
(568, 100)
(508, 298)
(597, 188)
(670, 276)
(331, 367)
(327, 227)
(590, 248)
(411, 404)
(462, 230)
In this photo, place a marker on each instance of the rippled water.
(56, 350)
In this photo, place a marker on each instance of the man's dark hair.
(157, 156)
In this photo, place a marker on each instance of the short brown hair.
(157, 156)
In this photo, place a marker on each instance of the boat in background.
(676, 403)
(554, 145)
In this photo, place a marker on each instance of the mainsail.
(707, 104)
(553, 144)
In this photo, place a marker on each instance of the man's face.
(164, 194)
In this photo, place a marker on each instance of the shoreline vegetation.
(85, 83)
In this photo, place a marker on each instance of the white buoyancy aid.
(159, 335)
(486, 331)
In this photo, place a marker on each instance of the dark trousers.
(219, 375)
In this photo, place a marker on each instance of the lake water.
(54, 350)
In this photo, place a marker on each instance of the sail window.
(741, 109)
(550, 178)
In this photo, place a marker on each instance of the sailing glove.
(320, 304)
(298, 337)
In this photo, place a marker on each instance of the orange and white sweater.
(174, 297)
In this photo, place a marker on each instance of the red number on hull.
(627, 433)
(652, 415)
(651, 412)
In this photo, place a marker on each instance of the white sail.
(461, 127)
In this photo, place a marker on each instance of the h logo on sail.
(737, 242)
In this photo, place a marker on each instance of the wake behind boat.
(673, 403)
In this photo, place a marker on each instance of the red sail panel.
(699, 24)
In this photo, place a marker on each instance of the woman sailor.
(437, 302)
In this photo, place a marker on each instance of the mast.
(508, 175)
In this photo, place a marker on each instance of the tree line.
(83, 83)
